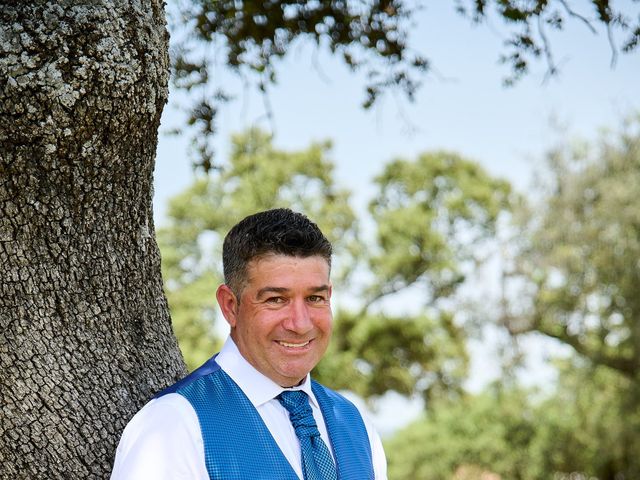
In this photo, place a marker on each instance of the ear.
(228, 304)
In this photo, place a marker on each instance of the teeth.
(293, 345)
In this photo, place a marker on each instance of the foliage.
(418, 351)
(491, 432)
(579, 250)
(586, 427)
(531, 21)
(590, 425)
(258, 177)
(373, 353)
(249, 38)
(433, 216)
(430, 214)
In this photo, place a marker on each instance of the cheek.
(263, 325)
(325, 323)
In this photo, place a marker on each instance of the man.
(252, 411)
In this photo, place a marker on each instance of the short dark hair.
(278, 231)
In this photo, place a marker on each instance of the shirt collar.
(258, 388)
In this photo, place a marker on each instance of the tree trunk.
(86, 335)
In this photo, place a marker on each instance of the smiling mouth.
(294, 345)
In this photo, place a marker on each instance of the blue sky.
(462, 107)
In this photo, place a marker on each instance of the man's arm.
(377, 451)
(162, 442)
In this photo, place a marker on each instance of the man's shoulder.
(208, 368)
(162, 417)
(162, 440)
(329, 391)
(168, 406)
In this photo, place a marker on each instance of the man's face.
(282, 324)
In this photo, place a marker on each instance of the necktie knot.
(300, 414)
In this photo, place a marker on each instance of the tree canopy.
(575, 255)
(582, 427)
(257, 177)
(435, 208)
(249, 38)
(432, 215)
(578, 251)
(574, 279)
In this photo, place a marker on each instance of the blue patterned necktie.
(317, 463)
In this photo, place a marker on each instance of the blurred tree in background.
(590, 424)
(433, 216)
(583, 426)
(575, 271)
(576, 252)
(576, 274)
(428, 213)
(257, 178)
(490, 432)
(579, 250)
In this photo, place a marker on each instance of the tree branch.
(578, 16)
(552, 70)
(614, 50)
(379, 296)
(626, 366)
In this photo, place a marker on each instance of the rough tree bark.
(86, 335)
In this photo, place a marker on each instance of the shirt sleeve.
(162, 442)
(377, 451)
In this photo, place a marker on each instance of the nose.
(299, 318)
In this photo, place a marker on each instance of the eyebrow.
(262, 291)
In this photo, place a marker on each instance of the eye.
(275, 300)
(316, 299)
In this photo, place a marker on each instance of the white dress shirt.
(163, 440)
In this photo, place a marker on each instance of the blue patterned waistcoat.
(238, 445)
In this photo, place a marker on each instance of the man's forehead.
(256, 266)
